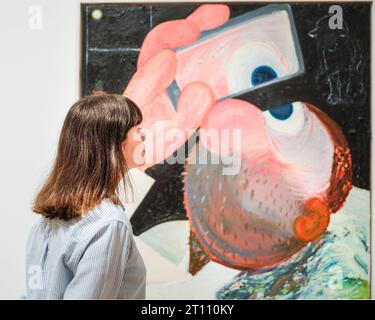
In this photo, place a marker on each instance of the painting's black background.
(110, 47)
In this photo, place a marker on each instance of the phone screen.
(250, 51)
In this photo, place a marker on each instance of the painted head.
(295, 172)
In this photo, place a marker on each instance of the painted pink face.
(295, 169)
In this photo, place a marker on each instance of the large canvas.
(259, 188)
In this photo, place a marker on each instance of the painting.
(257, 120)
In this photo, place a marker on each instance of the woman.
(83, 247)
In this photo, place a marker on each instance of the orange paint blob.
(314, 222)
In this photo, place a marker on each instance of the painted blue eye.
(262, 74)
(282, 112)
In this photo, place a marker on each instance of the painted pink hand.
(156, 69)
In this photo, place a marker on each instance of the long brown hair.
(89, 163)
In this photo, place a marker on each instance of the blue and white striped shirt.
(92, 257)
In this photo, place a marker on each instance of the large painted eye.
(288, 118)
(262, 74)
(254, 65)
(282, 112)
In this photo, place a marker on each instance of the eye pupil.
(282, 112)
(262, 74)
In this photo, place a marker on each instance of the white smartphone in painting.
(250, 51)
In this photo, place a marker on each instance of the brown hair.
(89, 164)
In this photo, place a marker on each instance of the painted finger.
(156, 75)
(210, 16)
(159, 109)
(168, 35)
(194, 102)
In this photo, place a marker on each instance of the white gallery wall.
(39, 81)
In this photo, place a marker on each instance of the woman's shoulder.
(38, 223)
(107, 211)
(103, 214)
(79, 228)
(106, 218)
